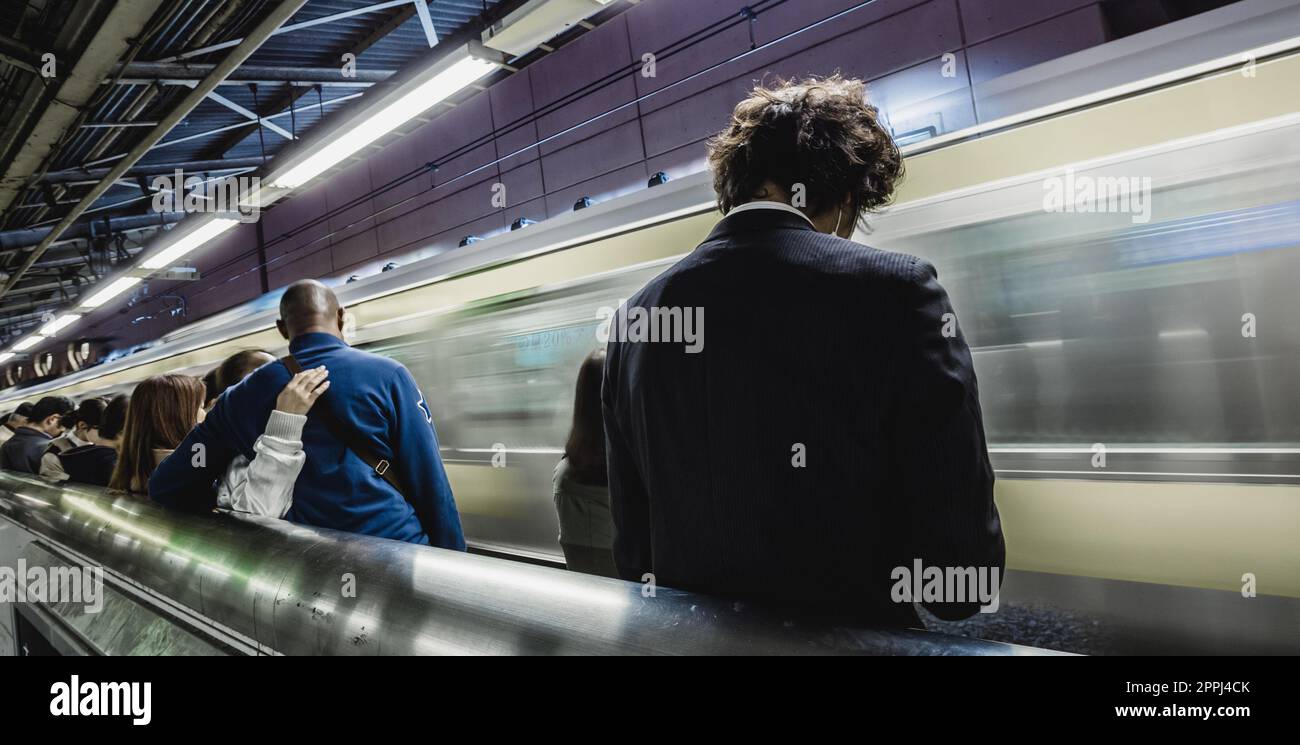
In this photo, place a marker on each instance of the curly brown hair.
(819, 133)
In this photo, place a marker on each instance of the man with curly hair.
(826, 430)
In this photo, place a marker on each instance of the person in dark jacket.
(23, 451)
(13, 420)
(374, 397)
(93, 463)
(77, 428)
(827, 432)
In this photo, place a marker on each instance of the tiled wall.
(897, 44)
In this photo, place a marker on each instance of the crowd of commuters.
(830, 431)
(254, 436)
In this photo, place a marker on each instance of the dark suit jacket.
(819, 349)
(23, 451)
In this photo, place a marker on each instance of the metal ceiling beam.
(286, 100)
(426, 22)
(19, 54)
(13, 240)
(274, 19)
(250, 115)
(297, 83)
(239, 125)
(78, 175)
(113, 40)
(294, 27)
(137, 73)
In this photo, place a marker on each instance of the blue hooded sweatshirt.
(375, 396)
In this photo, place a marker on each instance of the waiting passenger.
(13, 420)
(373, 464)
(78, 424)
(581, 483)
(93, 463)
(828, 430)
(264, 486)
(23, 451)
(163, 410)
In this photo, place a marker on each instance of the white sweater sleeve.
(264, 486)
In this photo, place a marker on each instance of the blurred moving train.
(1138, 367)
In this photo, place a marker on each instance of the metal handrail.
(292, 589)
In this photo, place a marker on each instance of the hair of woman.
(162, 411)
(236, 367)
(585, 448)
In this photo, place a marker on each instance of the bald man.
(372, 405)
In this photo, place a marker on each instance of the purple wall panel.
(877, 39)
(317, 264)
(402, 227)
(523, 184)
(987, 18)
(398, 158)
(592, 57)
(350, 206)
(469, 201)
(288, 228)
(593, 156)
(895, 42)
(656, 27)
(1072, 32)
(512, 108)
(607, 186)
(353, 249)
(236, 282)
(469, 168)
(694, 119)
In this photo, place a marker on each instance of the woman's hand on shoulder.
(302, 391)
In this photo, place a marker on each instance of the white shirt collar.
(765, 205)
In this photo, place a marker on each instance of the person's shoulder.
(380, 371)
(845, 257)
(271, 376)
(378, 363)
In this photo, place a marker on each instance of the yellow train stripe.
(1189, 534)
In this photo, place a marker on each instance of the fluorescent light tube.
(59, 324)
(186, 243)
(409, 105)
(28, 343)
(115, 288)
